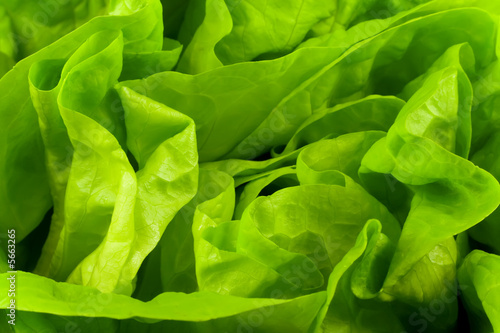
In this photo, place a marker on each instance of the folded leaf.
(146, 203)
(478, 277)
(419, 154)
(74, 223)
(25, 194)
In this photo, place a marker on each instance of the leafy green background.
(250, 166)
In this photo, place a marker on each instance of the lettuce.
(250, 166)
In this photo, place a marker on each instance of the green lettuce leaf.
(478, 278)
(25, 193)
(416, 153)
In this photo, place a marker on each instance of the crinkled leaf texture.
(250, 166)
